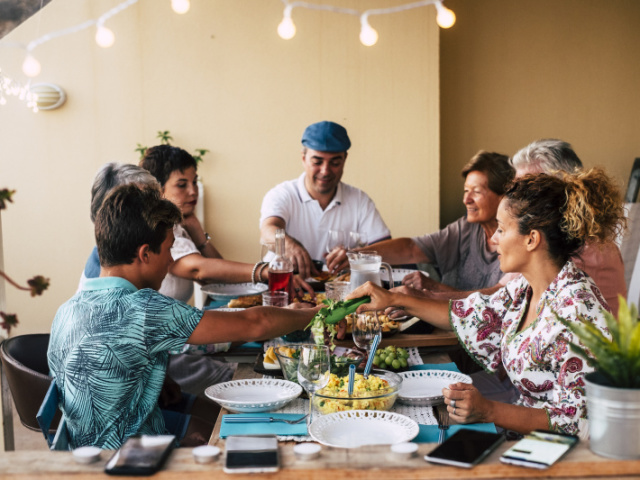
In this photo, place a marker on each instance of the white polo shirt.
(351, 210)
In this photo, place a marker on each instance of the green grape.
(403, 362)
(382, 365)
(389, 360)
(395, 364)
(376, 360)
(402, 352)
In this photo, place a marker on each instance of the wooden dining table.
(367, 462)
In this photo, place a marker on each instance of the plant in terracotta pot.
(613, 390)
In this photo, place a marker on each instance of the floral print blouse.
(538, 360)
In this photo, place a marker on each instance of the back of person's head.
(495, 166)
(162, 160)
(568, 209)
(548, 155)
(132, 216)
(112, 175)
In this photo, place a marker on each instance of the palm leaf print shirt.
(108, 353)
(538, 360)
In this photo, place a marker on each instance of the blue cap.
(326, 137)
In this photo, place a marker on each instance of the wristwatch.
(207, 237)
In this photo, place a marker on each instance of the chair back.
(56, 439)
(24, 359)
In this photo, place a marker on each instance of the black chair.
(634, 183)
(24, 359)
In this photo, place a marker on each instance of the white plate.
(398, 274)
(424, 387)
(229, 291)
(253, 395)
(355, 428)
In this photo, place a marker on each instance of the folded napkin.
(429, 433)
(436, 366)
(273, 428)
(257, 345)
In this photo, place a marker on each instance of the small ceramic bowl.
(307, 451)
(205, 453)
(86, 454)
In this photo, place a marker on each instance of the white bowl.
(253, 395)
(307, 451)
(205, 453)
(86, 454)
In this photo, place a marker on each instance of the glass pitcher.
(365, 267)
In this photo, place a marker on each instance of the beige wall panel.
(218, 78)
(516, 71)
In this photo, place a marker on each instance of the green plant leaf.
(5, 196)
(164, 136)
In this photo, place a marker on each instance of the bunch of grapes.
(391, 357)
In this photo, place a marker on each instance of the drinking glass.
(357, 240)
(275, 299)
(313, 371)
(335, 239)
(267, 251)
(337, 290)
(364, 329)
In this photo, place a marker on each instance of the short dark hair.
(495, 166)
(113, 174)
(132, 216)
(162, 160)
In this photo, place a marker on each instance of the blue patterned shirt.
(108, 353)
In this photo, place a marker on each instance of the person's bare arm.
(193, 227)
(210, 270)
(252, 324)
(436, 312)
(417, 281)
(302, 261)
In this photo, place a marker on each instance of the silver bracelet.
(253, 272)
(260, 270)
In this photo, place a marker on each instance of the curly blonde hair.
(569, 209)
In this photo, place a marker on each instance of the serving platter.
(422, 388)
(229, 291)
(253, 395)
(355, 428)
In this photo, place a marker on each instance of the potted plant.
(613, 390)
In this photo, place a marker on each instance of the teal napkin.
(429, 433)
(436, 366)
(274, 428)
(257, 345)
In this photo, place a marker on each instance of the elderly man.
(308, 207)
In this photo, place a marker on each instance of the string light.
(11, 88)
(445, 18)
(31, 66)
(368, 36)
(104, 37)
(180, 6)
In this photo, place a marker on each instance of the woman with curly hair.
(543, 221)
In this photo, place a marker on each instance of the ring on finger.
(453, 403)
(454, 411)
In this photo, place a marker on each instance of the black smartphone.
(141, 455)
(251, 453)
(465, 448)
(540, 449)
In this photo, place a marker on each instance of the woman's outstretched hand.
(380, 297)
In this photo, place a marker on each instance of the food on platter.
(393, 358)
(387, 325)
(320, 297)
(329, 316)
(270, 361)
(373, 393)
(246, 301)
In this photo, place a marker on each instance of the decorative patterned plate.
(253, 395)
(424, 387)
(229, 291)
(355, 428)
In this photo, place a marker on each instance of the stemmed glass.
(364, 329)
(335, 239)
(313, 371)
(357, 240)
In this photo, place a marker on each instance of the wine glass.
(357, 240)
(335, 239)
(364, 329)
(313, 371)
(267, 251)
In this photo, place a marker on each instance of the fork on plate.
(442, 417)
(263, 420)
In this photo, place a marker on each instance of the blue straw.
(374, 347)
(352, 379)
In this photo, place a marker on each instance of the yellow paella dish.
(374, 393)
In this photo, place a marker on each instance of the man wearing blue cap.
(317, 201)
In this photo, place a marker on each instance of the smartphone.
(141, 455)
(251, 453)
(465, 448)
(540, 449)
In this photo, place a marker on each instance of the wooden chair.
(24, 359)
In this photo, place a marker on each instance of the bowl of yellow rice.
(378, 392)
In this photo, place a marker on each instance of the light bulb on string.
(286, 28)
(31, 66)
(180, 6)
(104, 37)
(368, 36)
(445, 18)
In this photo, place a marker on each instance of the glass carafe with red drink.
(281, 268)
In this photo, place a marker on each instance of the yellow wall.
(219, 78)
(516, 71)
